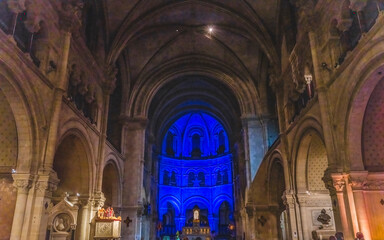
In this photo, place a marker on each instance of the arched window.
(219, 180)
(221, 148)
(225, 177)
(166, 177)
(173, 179)
(169, 144)
(196, 151)
(191, 179)
(201, 178)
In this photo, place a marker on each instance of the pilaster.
(23, 183)
(134, 130)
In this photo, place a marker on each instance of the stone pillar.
(342, 216)
(294, 218)
(357, 182)
(82, 230)
(23, 183)
(44, 187)
(250, 223)
(133, 190)
(323, 103)
(255, 144)
(108, 85)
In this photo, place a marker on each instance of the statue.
(324, 218)
(196, 215)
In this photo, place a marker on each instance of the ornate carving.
(374, 185)
(339, 184)
(22, 185)
(324, 218)
(98, 200)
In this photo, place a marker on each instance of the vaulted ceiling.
(162, 43)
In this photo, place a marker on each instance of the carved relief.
(62, 223)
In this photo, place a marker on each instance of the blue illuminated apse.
(195, 170)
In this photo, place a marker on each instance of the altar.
(196, 232)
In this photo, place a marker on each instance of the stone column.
(82, 230)
(44, 187)
(294, 218)
(357, 182)
(343, 216)
(23, 183)
(68, 21)
(323, 103)
(133, 191)
(250, 220)
(255, 144)
(108, 85)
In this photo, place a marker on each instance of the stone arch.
(257, 31)
(73, 165)
(353, 99)
(311, 161)
(276, 180)
(20, 98)
(111, 184)
(148, 85)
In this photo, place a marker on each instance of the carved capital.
(98, 200)
(16, 6)
(338, 182)
(23, 184)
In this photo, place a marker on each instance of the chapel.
(191, 119)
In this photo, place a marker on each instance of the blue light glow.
(195, 169)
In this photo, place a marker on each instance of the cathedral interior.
(191, 119)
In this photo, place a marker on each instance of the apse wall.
(195, 169)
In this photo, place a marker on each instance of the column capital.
(135, 123)
(98, 199)
(339, 182)
(23, 182)
(47, 184)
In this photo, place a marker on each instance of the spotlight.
(210, 29)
